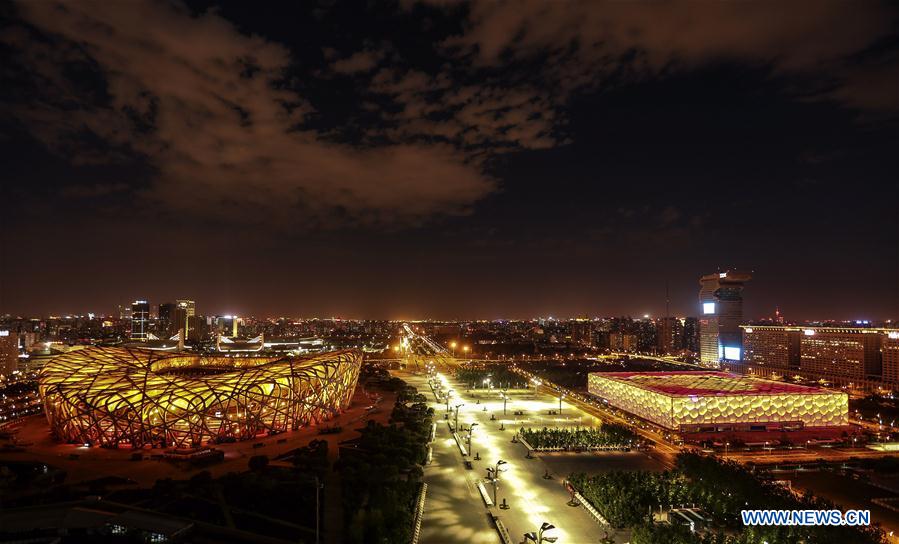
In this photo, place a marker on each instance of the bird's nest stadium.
(119, 397)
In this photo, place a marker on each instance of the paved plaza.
(455, 510)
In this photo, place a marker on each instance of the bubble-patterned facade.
(132, 397)
(688, 401)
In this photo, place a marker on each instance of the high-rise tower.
(721, 313)
(140, 320)
(184, 313)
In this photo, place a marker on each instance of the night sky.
(449, 160)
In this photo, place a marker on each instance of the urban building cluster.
(27, 343)
(664, 335)
(859, 356)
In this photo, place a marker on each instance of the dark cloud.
(208, 106)
(587, 41)
(361, 61)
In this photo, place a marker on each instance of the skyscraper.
(690, 334)
(167, 318)
(140, 320)
(721, 310)
(669, 336)
(9, 352)
(185, 311)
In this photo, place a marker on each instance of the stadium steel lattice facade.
(117, 396)
(719, 401)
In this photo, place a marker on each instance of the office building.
(690, 338)
(140, 320)
(890, 357)
(9, 352)
(864, 358)
(776, 348)
(721, 307)
(844, 352)
(622, 341)
(185, 312)
(645, 331)
(669, 335)
(167, 319)
(581, 332)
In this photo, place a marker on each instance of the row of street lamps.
(493, 472)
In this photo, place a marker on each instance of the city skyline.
(698, 309)
(450, 160)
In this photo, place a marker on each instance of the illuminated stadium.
(131, 397)
(719, 401)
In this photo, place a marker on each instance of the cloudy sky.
(449, 159)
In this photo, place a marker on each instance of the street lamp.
(448, 395)
(465, 350)
(318, 487)
(471, 427)
(493, 474)
(453, 347)
(538, 538)
(505, 398)
(456, 426)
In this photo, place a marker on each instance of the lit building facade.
(581, 331)
(670, 334)
(622, 341)
(863, 358)
(691, 401)
(721, 311)
(185, 312)
(691, 334)
(776, 348)
(140, 320)
(890, 357)
(135, 397)
(845, 352)
(9, 352)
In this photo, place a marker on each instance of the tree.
(258, 463)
